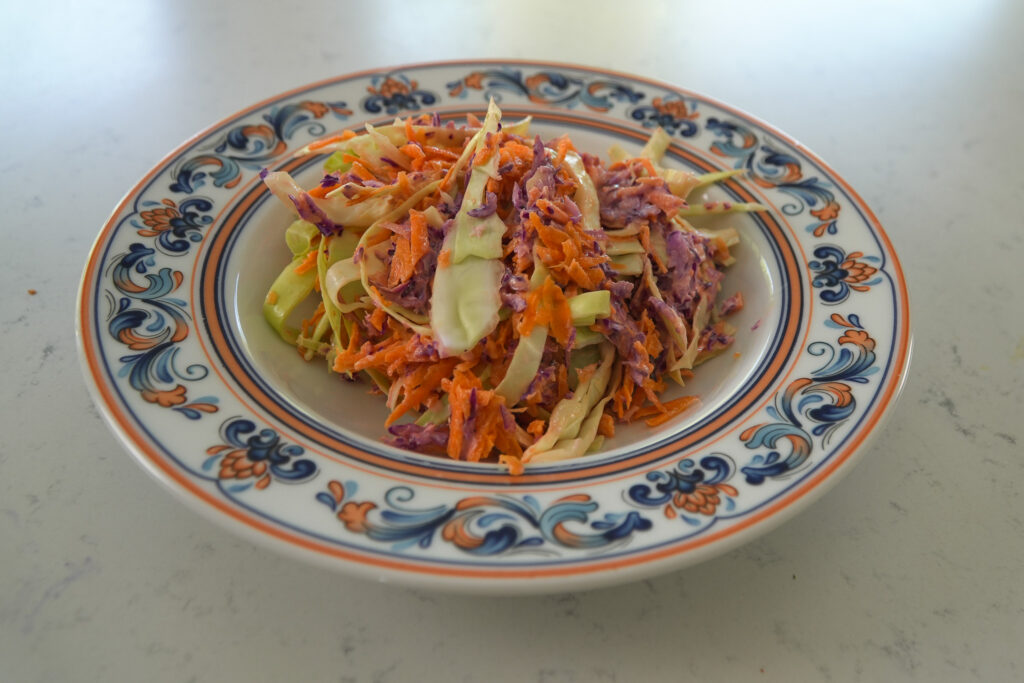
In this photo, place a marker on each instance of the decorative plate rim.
(412, 566)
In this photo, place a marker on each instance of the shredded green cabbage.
(466, 299)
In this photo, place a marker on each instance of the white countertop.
(910, 569)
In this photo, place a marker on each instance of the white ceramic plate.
(210, 401)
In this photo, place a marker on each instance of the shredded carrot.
(410, 133)
(554, 211)
(320, 144)
(344, 361)
(358, 168)
(379, 238)
(667, 202)
(439, 152)
(308, 263)
(379, 318)
(563, 380)
(622, 399)
(309, 324)
(648, 166)
(671, 409)
(459, 389)
(271, 296)
(415, 152)
(404, 186)
(427, 381)
(419, 236)
(652, 343)
(561, 248)
(514, 464)
(562, 147)
(496, 346)
(488, 149)
(402, 265)
(547, 305)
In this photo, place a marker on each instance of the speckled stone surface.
(910, 569)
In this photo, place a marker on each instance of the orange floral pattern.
(672, 113)
(255, 459)
(837, 273)
(704, 499)
(394, 93)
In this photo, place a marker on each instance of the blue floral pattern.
(689, 487)
(675, 113)
(394, 93)
(151, 323)
(482, 525)
(770, 167)
(837, 273)
(546, 87)
(254, 459)
(253, 145)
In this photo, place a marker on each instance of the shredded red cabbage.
(421, 438)
(487, 208)
(309, 211)
(732, 304)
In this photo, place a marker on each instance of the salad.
(511, 298)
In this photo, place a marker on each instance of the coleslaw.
(512, 299)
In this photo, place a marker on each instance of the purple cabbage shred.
(309, 211)
(487, 208)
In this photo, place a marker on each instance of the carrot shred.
(359, 169)
(402, 266)
(547, 305)
(410, 133)
(648, 166)
(439, 153)
(562, 147)
(308, 263)
(426, 380)
(404, 186)
(416, 154)
(379, 238)
(320, 144)
(515, 465)
(419, 237)
(671, 409)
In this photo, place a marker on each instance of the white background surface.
(910, 569)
